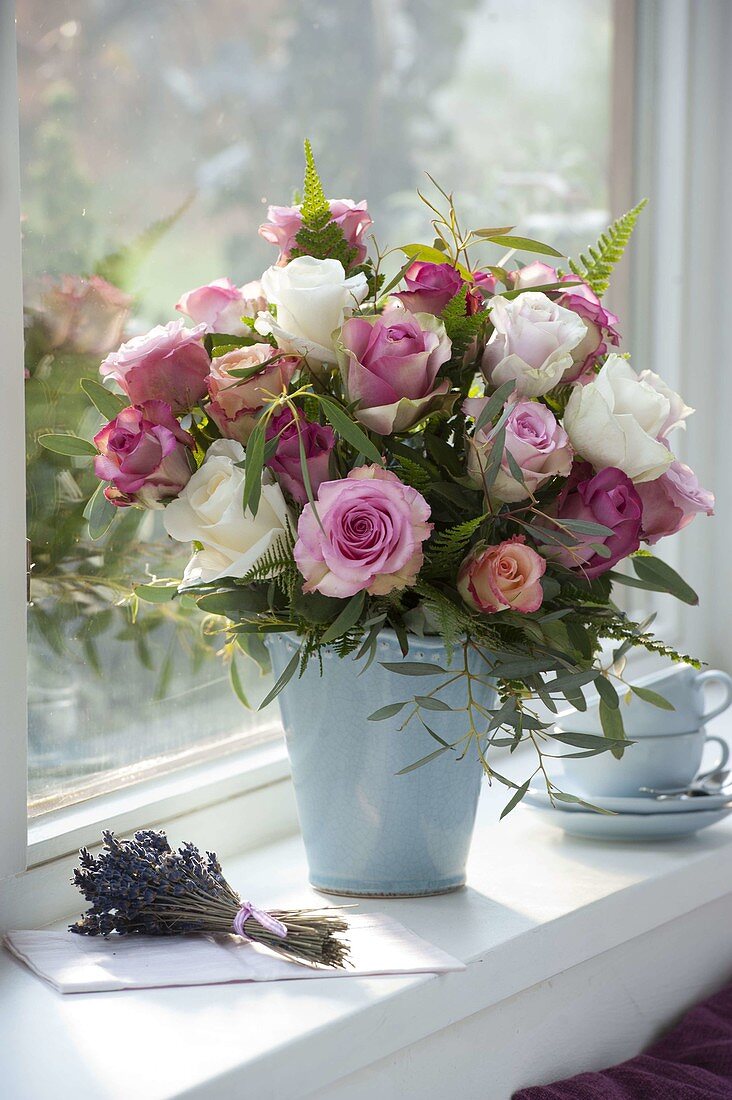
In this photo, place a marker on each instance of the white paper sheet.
(91, 964)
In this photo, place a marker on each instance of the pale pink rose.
(429, 287)
(370, 535)
(220, 305)
(671, 502)
(389, 365)
(532, 343)
(495, 578)
(169, 363)
(85, 316)
(285, 223)
(143, 452)
(235, 401)
(535, 440)
(582, 300)
(318, 441)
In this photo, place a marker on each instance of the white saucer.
(636, 805)
(663, 826)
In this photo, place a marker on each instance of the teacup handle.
(724, 757)
(712, 676)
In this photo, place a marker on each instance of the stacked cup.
(666, 756)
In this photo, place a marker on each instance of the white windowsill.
(538, 904)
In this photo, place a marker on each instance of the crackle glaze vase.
(368, 831)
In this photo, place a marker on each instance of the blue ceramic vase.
(368, 831)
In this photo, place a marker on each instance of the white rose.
(209, 511)
(678, 409)
(313, 298)
(617, 419)
(532, 343)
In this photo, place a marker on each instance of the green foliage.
(120, 268)
(596, 267)
(319, 235)
(447, 549)
(460, 327)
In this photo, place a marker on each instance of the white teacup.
(659, 761)
(681, 685)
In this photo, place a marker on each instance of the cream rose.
(618, 419)
(532, 342)
(209, 511)
(313, 298)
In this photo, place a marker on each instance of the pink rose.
(535, 440)
(318, 441)
(534, 274)
(608, 498)
(495, 578)
(143, 452)
(601, 327)
(532, 342)
(373, 527)
(169, 363)
(285, 223)
(220, 305)
(235, 401)
(389, 365)
(483, 286)
(85, 316)
(429, 287)
(671, 502)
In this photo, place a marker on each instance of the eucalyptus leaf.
(607, 693)
(386, 712)
(253, 469)
(347, 619)
(413, 668)
(523, 244)
(494, 404)
(68, 445)
(107, 403)
(156, 593)
(428, 702)
(515, 799)
(237, 685)
(99, 514)
(424, 760)
(667, 579)
(611, 721)
(652, 697)
(283, 680)
(350, 431)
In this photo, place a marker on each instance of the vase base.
(388, 894)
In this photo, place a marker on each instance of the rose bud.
(143, 452)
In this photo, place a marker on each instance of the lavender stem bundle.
(143, 886)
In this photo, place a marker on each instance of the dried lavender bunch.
(143, 886)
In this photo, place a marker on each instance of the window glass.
(153, 137)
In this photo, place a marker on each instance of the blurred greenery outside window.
(153, 136)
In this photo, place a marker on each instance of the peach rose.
(494, 578)
(234, 400)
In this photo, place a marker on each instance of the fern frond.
(460, 327)
(319, 235)
(447, 549)
(278, 564)
(121, 268)
(596, 267)
(411, 473)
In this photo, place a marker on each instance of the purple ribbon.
(276, 927)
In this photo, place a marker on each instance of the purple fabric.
(693, 1061)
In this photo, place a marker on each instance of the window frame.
(240, 800)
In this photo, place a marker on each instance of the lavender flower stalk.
(142, 886)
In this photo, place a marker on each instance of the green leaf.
(156, 593)
(253, 469)
(349, 430)
(283, 680)
(424, 252)
(607, 693)
(652, 697)
(424, 760)
(666, 579)
(413, 668)
(386, 712)
(586, 527)
(611, 721)
(237, 685)
(525, 244)
(588, 741)
(495, 403)
(347, 619)
(99, 514)
(235, 604)
(67, 445)
(107, 403)
(428, 702)
(560, 796)
(398, 277)
(515, 799)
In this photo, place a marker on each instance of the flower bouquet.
(433, 475)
